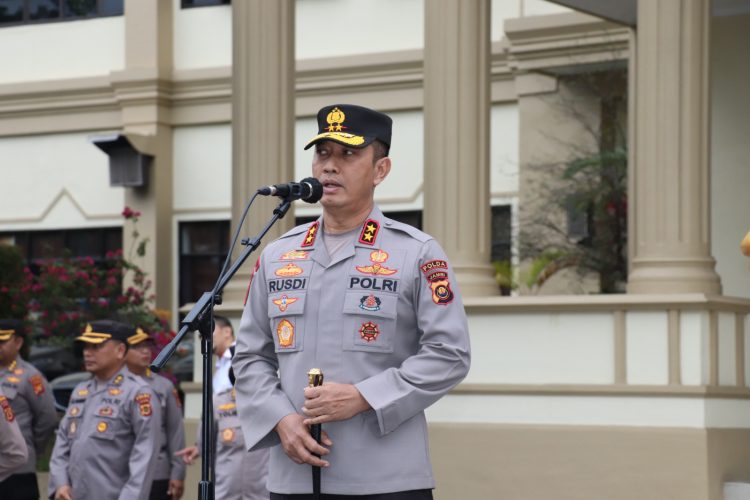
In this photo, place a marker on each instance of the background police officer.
(169, 478)
(13, 450)
(107, 442)
(33, 405)
(377, 309)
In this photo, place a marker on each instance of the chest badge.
(13, 379)
(227, 435)
(290, 269)
(369, 331)
(312, 233)
(106, 411)
(378, 257)
(115, 391)
(285, 333)
(74, 411)
(83, 392)
(284, 301)
(295, 255)
(369, 303)
(101, 426)
(73, 427)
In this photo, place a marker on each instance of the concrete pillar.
(457, 132)
(262, 121)
(139, 90)
(670, 224)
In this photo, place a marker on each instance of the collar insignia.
(312, 233)
(369, 232)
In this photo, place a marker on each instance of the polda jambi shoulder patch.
(144, 404)
(37, 384)
(312, 233)
(7, 410)
(441, 288)
(369, 232)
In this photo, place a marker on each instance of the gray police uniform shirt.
(33, 405)
(385, 315)
(240, 475)
(107, 442)
(172, 433)
(13, 449)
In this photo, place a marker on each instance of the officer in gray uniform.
(107, 442)
(33, 405)
(169, 478)
(13, 451)
(371, 302)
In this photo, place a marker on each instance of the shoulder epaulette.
(406, 228)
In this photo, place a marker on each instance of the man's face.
(348, 175)
(101, 359)
(139, 356)
(9, 349)
(222, 338)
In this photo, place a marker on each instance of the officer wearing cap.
(107, 442)
(169, 477)
(370, 301)
(29, 395)
(13, 450)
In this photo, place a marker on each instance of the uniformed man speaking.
(107, 442)
(370, 301)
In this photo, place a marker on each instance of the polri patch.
(369, 232)
(432, 265)
(312, 233)
(144, 404)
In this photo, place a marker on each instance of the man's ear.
(121, 350)
(382, 169)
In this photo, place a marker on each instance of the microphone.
(308, 189)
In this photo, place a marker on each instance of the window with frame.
(187, 4)
(203, 248)
(14, 12)
(37, 246)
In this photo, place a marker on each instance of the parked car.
(62, 387)
(53, 360)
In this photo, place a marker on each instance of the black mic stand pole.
(200, 318)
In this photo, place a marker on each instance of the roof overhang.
(626, 11)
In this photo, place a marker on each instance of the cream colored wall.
(92, 47)
(328, 28)
(202, 36)
(202, 168)
(56, 181)
(730, 151)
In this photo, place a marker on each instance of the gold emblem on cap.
(335, 118)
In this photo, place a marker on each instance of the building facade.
(641, 395)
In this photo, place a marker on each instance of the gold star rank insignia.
(312, 232)
(369, 232)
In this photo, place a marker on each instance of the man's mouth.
(330, 186)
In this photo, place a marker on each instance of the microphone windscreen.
(316, 191)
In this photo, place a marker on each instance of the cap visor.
(5, 336)
(351, 140)
(92, 340)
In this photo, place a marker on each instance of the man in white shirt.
(223, 338)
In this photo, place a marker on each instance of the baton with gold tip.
(315, 379)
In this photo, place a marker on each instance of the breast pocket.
(369, 321)
(287, 323)
(105, 422)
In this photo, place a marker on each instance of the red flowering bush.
(69, 292)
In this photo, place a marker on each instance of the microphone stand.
(200, 318)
